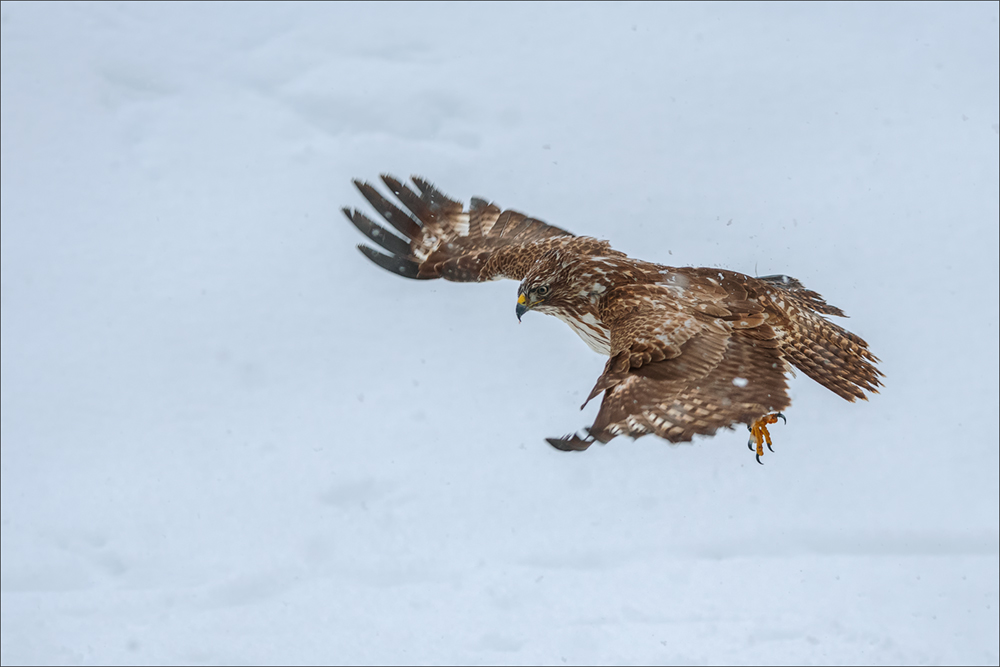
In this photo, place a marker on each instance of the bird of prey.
(690, 350)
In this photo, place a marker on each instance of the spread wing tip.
(395, 185)
(398, 265)
(377, 233)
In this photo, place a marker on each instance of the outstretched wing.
(438, 238)
(688, 356)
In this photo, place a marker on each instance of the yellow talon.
(759, 433)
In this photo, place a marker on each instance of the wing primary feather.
(437, 200)
(406, 225)
(482, 216)
(515, 225)
(440, 239)
(398, 265)
(410, 199)
(500, 226)
(383, 237)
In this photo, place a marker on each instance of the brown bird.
(689, 350)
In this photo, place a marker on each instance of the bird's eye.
(542, 290)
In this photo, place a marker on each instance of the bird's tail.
(826, 352)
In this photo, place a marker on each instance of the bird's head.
(543, 287)
(532, 296)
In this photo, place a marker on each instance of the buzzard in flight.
(689, 350)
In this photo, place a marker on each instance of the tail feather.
(826, 352)
(806, 297)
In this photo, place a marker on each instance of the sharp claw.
(761, 435)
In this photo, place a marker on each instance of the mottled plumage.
(689, 350)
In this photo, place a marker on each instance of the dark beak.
(521, 310)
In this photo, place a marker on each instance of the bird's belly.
(591, 330)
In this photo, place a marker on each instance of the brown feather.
(690, 350)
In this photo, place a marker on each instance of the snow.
(228, 437)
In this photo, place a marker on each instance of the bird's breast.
(590, 329)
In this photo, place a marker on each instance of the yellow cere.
(521, 300)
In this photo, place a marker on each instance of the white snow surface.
(227, 437)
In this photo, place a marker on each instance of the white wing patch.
(457, 226)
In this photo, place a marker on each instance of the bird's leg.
(759, 434)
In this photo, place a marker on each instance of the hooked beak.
(522, 306)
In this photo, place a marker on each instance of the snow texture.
(227, 437)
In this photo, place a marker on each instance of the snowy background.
(227, 437)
